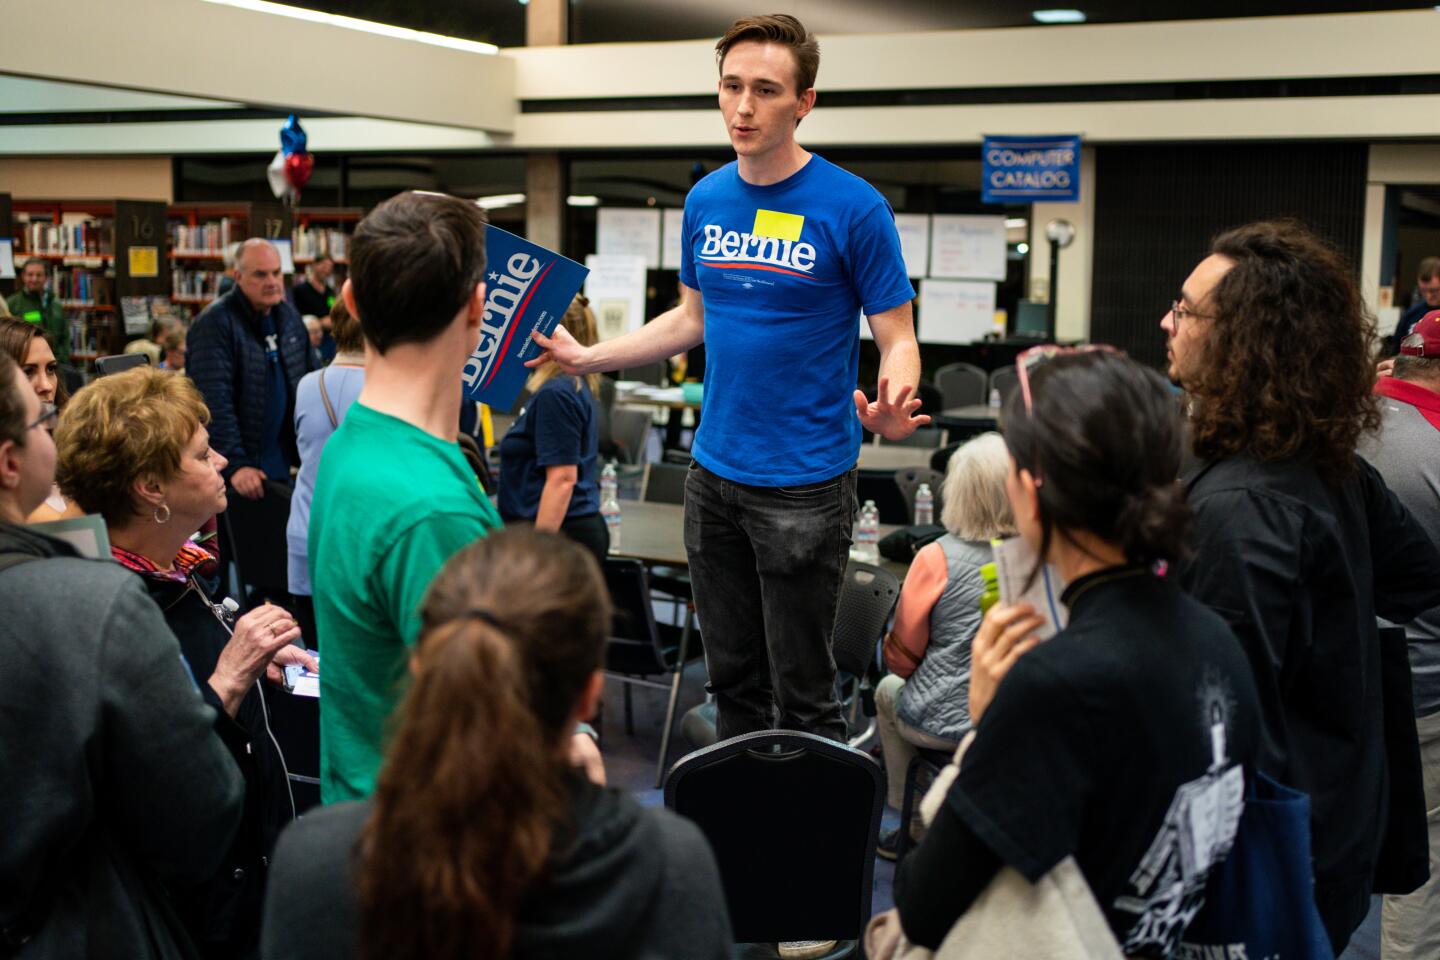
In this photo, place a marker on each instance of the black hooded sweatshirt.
(634, 883)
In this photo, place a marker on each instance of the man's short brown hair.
(1428, 269)
(415, 260)
(778, 28)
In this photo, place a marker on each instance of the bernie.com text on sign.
(1030, 168)
(527, 288)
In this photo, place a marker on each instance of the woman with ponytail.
(482, 841)
(1121, 740)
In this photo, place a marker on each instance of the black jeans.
(589, 531)
(766, 564)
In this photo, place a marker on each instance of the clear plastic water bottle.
(995, 398)
(924, 505)
(867, 534)
(609, 482)
(610, 510)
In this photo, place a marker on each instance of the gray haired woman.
(923, 701)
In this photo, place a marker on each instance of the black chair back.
(664, 483)
(867, 596)
(255, 537)
(119, 363)
(651, 373)
(909, 480)
(630, 430)
(961, 384)
(634, 643)
(940, 459)
(793, 831)
(1005, 380)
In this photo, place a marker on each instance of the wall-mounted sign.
(1022, 169)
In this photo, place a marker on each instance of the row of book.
(90, 238)
(211, 237)
(195, 283)
(76, 284)
(313, 242)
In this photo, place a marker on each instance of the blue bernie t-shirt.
(785, 271)
(558, 425)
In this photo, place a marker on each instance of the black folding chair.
(909, 480)
(639, 648)
(867, 597)
(1005, 380)
(961, 384)
(255, 539)
(792, 819)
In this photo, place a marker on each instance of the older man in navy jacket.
(247, 352)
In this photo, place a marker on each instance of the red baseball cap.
(1424, 338)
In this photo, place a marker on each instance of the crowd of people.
(1231, 538)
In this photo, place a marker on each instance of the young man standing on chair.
(781, 252)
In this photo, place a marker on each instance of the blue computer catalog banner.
(527, 288)
(1030, 168)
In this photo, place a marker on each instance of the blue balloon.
(292, 136)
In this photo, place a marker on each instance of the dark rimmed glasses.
(48, 412)
(1035, 356)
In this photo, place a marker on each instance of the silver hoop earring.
(162, 513)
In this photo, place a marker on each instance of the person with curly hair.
(1298, 542)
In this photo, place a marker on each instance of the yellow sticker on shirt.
(781, 226)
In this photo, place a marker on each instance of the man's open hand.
(893, 419)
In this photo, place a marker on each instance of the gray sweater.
(1407, 454)
(113, 780)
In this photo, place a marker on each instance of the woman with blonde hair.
(482, 840)
(133, 448)
(550, 459)
(922, 702)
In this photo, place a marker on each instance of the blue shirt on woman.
(559, 425)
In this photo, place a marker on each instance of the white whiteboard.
(629, 232)
(967, 247)
(914, 241)
(956, 311)
(616, 290)
(670, 237)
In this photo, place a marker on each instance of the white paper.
(616, 290)
(914, 241)
(287, 260)
(956, 311)
(673, 226)
(628, 231)
(967, 247)
(1013, 562)
(7, 259)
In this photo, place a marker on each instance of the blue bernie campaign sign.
(527, 288)
(1030, 168)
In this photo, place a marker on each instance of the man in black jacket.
(247, 353)
(1298, 542)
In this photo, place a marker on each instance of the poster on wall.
(956, 311)
(967, 247)
(673, 225)
(628, 232)
(914, 241)
(1027, 169)
(616, 290)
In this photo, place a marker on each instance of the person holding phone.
(1096, 743)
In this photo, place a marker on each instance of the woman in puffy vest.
(923, 702)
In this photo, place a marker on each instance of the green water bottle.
(991, 594)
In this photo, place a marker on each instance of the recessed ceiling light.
(496, 201)
(582, 200)
(1058, 16)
